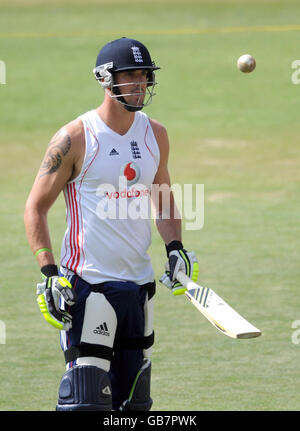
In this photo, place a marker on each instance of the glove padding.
(50, 293)
(179, 260)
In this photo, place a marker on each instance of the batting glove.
(179, 260)
(51, 293)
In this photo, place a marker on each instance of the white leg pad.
(99, 327)
(149, 314)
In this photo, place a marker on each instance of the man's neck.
(116, 117)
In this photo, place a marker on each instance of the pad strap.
(87, 349)
(135, 343)
(105, 352)
(151, 288)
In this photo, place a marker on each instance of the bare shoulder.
(74, 130)
(69, 137)
(159, 130)
(161, 136)
(66, 147)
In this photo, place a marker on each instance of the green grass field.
(237, 134)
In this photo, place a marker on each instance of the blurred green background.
(238, 134)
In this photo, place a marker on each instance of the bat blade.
(217, 311)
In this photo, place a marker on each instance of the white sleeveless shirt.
(108, 204)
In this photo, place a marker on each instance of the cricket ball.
(246, 63)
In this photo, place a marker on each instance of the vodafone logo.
(131, 172)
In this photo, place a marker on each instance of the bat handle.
(186, 281)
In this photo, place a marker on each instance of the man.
(106, 162)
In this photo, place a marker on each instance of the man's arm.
(166, 216)
(61, 163)
(168, 221)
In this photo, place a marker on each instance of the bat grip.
(186, 281)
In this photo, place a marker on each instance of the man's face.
(132, 85)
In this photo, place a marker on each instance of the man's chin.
(135, 101)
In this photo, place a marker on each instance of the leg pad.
(139, 397)
(85, 387)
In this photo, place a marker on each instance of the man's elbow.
(34, 210)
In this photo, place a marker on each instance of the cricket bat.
(217, 311)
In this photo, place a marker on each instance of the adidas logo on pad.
(102, 330)
(114, 152)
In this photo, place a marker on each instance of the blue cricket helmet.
(124, 54)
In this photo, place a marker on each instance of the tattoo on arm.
(55, 154)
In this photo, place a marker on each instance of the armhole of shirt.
(85, 155)
(156, 150)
